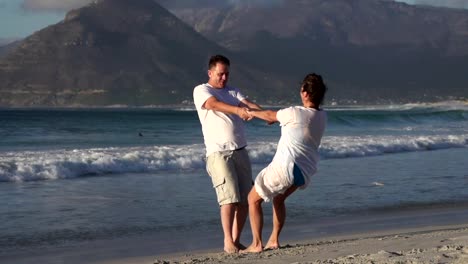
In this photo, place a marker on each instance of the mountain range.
(135, 53)
(368, 49)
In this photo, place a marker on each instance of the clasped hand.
(244, 113)
(248, 114)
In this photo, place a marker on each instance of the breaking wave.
(62, 164)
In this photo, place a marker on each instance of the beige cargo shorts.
(231, 174)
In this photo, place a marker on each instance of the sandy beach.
(427, 245)
(428, 236)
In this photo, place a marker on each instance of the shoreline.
(325, 238)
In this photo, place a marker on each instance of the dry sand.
(427, 245)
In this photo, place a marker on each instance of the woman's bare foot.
(253, 249)
(271, 245)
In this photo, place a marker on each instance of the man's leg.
(256, 222)
(227, 221)
(222, 171)
(279, 217)
(244, 180)
(242, 210)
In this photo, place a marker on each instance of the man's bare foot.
(252, 249)
(230, 248)
(271, 246)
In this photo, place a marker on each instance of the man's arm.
(267, 115)
(214, 104)
(249, 104)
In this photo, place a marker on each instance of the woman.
(295, 160)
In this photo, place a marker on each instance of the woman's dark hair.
(315, 88)
(217, 58)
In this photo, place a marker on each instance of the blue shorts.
(298, 177)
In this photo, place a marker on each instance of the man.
(221, 110)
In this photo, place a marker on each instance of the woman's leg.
(279, 217)
(256, 222)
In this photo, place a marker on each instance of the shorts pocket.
(217, 177)
(217, 180)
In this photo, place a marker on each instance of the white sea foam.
(447, 105)
(361, 146)
(60, 164)
(439, 106)
(56, 164)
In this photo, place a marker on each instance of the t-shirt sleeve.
(285, 116)
(201, 93)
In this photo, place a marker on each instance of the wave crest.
(62, 164)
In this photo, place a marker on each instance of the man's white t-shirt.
(301, 132)
(221, 131)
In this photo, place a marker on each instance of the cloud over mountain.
(66, 5)
(447, 3)
(53, 5)
(212, 3)
(441, 3)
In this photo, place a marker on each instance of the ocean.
(79, 175)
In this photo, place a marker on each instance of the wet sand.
(433, 235)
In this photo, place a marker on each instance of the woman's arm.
(267, 115)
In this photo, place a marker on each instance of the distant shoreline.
(189, 106)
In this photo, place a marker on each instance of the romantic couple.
(221, 110)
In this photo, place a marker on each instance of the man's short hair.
(218, 59)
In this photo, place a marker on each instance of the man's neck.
(214, 86)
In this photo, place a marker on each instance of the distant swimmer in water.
(294, 163)
(378, 184)
(140, 134)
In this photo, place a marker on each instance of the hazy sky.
(20, 18)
